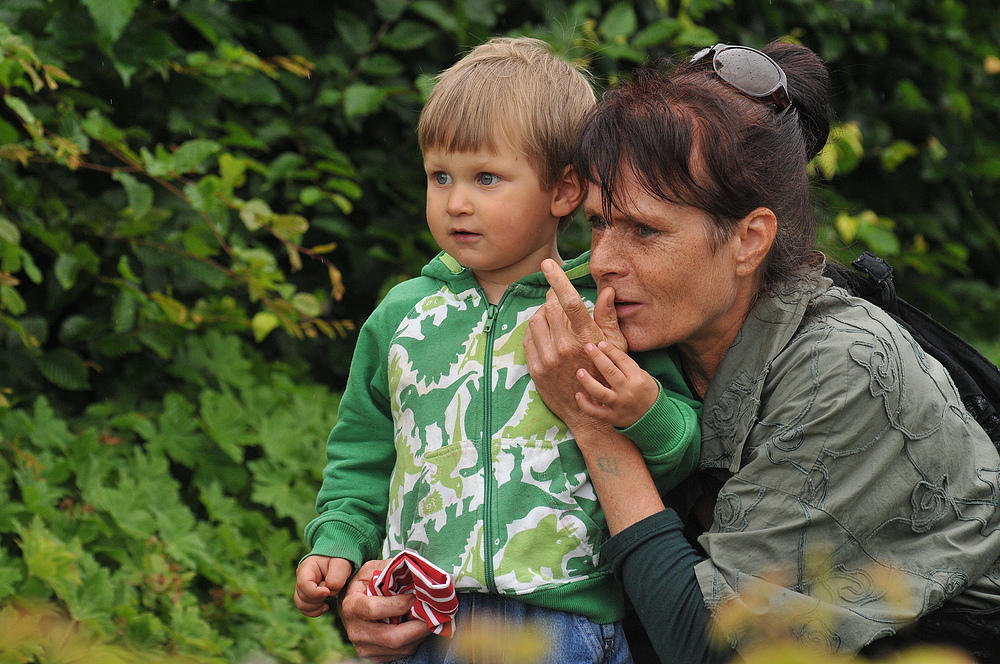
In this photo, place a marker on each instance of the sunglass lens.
(748, 71)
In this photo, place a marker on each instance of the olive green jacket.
(859, 494)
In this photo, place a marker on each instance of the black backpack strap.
(881, 273)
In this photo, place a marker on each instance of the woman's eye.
(645, 231)
(597, 224)
(488, 178)
(442, 178)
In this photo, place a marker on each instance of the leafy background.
(201, 200)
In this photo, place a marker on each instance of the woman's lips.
(624, 308)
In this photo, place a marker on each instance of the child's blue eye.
(488, 179)
(442, 178)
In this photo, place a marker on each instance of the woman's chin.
(637, 341)
(641, 338)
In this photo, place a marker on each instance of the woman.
(835, 453)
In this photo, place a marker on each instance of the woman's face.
(670, 286)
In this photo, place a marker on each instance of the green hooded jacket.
(444, 447)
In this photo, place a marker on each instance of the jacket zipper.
(489, 547)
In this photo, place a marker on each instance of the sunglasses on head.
(749, 71)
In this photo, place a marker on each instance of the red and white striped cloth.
(409, 572)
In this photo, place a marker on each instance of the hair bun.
(808, 89)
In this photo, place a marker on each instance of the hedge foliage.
(200, 200)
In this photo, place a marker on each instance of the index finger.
(572, 304)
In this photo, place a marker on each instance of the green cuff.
(665, 429)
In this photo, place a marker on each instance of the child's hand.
(630, 392)
(318, 578)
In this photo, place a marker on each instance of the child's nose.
(459, 202)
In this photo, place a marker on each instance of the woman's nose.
(607, 257)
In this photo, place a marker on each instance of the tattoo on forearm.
(608, 465)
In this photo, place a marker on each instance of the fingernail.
(588, 347)
(547, 265)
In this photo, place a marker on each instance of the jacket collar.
(445, 268)
(732, 400)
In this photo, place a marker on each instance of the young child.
(442, 444)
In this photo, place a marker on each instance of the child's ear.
(567, 194)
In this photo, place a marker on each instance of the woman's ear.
(756, 235)
(567, 194)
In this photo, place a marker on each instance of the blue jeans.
(495, 629)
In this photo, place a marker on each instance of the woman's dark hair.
(690, 138)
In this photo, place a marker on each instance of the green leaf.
(289, 226)
(8, 231)
(111, 16)
(345, 205)
(65, 368)
(140, 194)
(279, 492)
(100, 128)
(18, 106)
(382, 64)
(349, 188)
(225, 421)
(311, 195)
(232, 170)
(256, 214)
(307, 304)
(67, 267)
(896, 153)
(882, 241)
(200, 242)
(655, 34)
(619, 23)
(77, 328)
(390, 10)
(30, 269)
(444, 17)
(125, 270)
(361, 99)
(12, 301)
(173, 309)
(13, 568)
(263, 323)
(47, 431)
(123, 313)
(191, 154)
(910, 97)
(159, 163)
(409, 35)
(49, 558)
(178, 435)
(354, 31)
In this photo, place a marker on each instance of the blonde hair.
(514, 91)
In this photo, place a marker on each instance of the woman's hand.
(554, 343)
(555, 350)
(363, 616)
